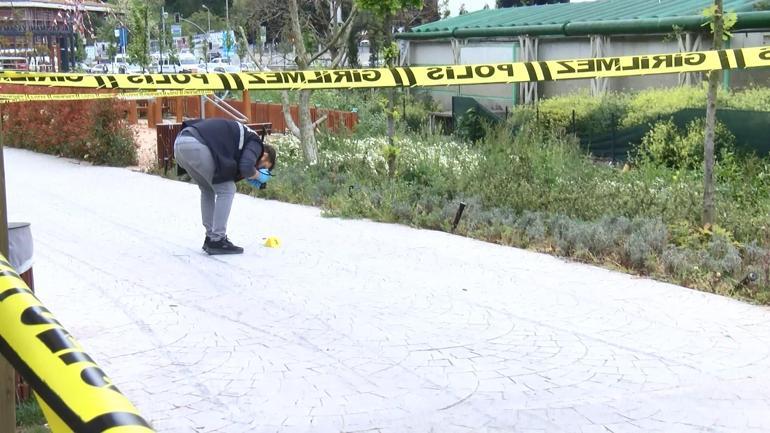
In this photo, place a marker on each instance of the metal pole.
(147, 40)
(614, 130)
(7, 378)
(227, 13)
(208, 16)
(162, 36)
(202, 31)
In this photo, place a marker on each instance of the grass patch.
(29, 417)
(33, 429)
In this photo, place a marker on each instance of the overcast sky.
(474, 5)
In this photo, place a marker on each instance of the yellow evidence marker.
(273, 242)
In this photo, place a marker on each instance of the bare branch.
(252, 57)
(296, 29)
(342, 54)
(343, 29)
(320, 120)
(287, 115)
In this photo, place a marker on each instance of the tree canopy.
(517, 3)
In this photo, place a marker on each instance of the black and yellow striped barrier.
(75, 394)
(38, 97)
(419, 76)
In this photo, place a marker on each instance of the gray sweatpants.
(216, 198)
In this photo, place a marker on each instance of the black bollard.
(458, 215)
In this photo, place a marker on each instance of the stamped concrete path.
(354, 326)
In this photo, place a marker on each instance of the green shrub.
(617, 228)
(682, 263)
(753, 98)
(722, 256)
(416, 109)
(668, 145)
(637, 253)
(470, 126)
(28, 413)
(92, 130)
(532, 226)
(593, 115)
(110, 141)
(652, 104)
(288, 148)
(757, 259)
(522, 116)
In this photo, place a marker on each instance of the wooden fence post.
(159, 112)
(7, 376)
(133, 117)
(179, 103)
(151, 113)
(247, 106)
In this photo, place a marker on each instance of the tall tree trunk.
(338, 34)
(391, 92)
(709, 189)
(307, 128)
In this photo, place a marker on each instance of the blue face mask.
(264, 176)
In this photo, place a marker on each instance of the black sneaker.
(206, 242)
(222, 246)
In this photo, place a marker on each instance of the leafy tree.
(138, 44)
(444, 9)
(316, 34)
(385, 11)
(189, 7)
(106, 32)
(201, 19)
(332, 36)
(80, 48)
(517, 3)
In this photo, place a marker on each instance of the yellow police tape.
(76, 394)
(7, 98)
(419, 76)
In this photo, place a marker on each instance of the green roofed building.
(581, 30)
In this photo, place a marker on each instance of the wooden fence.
(180, 107)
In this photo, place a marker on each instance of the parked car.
(249, 67)
(189, 64)
(169, 66)
(101, 68)
(222, 64)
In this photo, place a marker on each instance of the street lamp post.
(227, 14)
(163, 16)
(208, 15)
(179, 18)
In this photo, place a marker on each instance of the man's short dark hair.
(271, 154)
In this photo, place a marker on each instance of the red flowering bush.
(92, 130)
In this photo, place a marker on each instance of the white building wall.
(498, 97)
(560, 49)
(430, 53)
